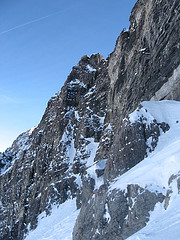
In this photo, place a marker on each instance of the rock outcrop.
(145, 62)
(47, 164)
(119, 215)
(85, 138)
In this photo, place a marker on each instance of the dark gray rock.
(115, 214)
(41, 167)
(132, 143)
(140, 68)
(145, 62)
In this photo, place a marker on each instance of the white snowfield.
(153, 173)
(59, 225)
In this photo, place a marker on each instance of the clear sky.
(40, 41)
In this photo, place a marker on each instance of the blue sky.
(40, 41)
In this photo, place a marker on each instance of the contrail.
(33, 21)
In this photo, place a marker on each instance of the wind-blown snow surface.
(155, 170)
(59, 225)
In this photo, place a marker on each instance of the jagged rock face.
(143, 66)
(85, 138)
(119, 214)
(132, 143)
(47, 164)
(145, 63)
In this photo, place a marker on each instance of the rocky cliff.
(85, 138)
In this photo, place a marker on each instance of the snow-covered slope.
(159, 172)
(58, 226)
